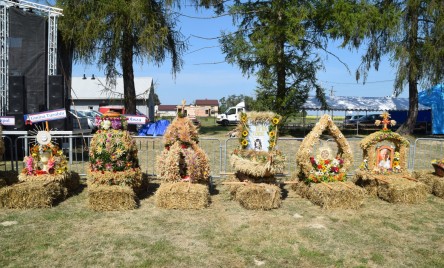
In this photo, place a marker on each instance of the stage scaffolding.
(52, 13)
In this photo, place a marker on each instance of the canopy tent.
(154, 129)
(434, 98)
(342, 103)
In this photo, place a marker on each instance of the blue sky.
(204, 76)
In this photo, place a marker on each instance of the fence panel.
(425, 150)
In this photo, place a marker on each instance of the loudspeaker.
(56, 99)
(17, 96)
(56, 92)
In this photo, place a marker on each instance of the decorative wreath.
(321, 168)
(369, 147)
(258, 163)
(57, 163)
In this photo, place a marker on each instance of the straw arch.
(306, 149)
(369, 143)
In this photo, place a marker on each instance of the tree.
(277, 40)
(233, 100)
(410, 32)
(117, 33)
(156, 99)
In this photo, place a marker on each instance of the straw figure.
(322, 174)
(44, 180)
(114, 173)
(256, 161)
(183, 168)
(383, 171)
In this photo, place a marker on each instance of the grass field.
(299, 233)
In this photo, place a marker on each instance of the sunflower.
(244, 118)
(272, 144)
(275, 121)
(244, 142)
(271, 134)
(244, 133)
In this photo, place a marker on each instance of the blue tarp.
(434, 98)
(154, 129)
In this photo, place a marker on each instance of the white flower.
(335, 162)
(106, 124)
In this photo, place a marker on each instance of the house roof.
(343, 103)
(87, 89)
(166, 108)
(207, 102)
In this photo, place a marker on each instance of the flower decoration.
(244, 118)
(275, 120)
(57, 162)
(106, 122)
(326, 170)
(244, 143)
(245, 133)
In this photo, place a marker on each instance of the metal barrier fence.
(76, 148)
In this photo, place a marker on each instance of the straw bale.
(182, 195)
(259, 196)
(400, 190)
(427, 177)
(69, 180)
(330, 195)
(232, 188)
(438, 188)
(364, 180)
(111, 197)
(33, 194)
(300, 188)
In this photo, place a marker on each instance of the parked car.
(79, 119)
(352, 118)
(91, 115)
(364, 120)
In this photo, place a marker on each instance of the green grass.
(379, 234)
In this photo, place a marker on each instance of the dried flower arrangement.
(324, 168)
(182, 159)
(57, 162)
(113, 159)
(258, 163)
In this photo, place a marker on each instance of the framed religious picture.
(384, 157)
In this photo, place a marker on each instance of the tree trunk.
(412, 36)
(129, 90)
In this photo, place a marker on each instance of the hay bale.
(111, 197)
(232, 188)
(364, 180)
(400, 190)
(300, 188)
(427, 177)
(330, 195)
(438, 188)
(34, 194)
(182, 195)
(259, 196)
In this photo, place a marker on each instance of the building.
(205, 108)
(166, 110)
(92, 92)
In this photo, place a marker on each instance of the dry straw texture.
(259, 196)
(131, 177)
(182, 195)
(111, 197)
(182, 157)
(400, 190)
(254, 163)
(369, 143)
(342, 195)
(306, 149)
(434, 183)
(34, 194)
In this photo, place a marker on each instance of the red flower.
(319, 166)
(326, 161)
(184, 146)
(312, 160)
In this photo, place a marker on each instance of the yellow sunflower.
(244, 133)
(271, 134)
(244, 142)
(272, 144)
(244, 118)
(275, 121)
